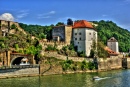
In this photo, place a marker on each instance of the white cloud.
(7, 17)
(104, 15)
(52, 12)
(40, 17)
(46, 15)
(22, 14)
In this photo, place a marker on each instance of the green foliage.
(59, 23)
(81, 54)
(89, 65)
(68, 50)
(101, 52)
(51, 48)
(69, 22)
(108, 29)
(33, 50)
(36, 30)
(92, 53)
(67, 65)
(42, 36)
(13, 26)
(16, 46)
(84, 65)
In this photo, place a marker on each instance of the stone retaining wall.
(62, 57)
(126, 63)
(113, 62)
(19, 71)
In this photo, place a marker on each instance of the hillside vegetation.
(108, 29)
(105, 29)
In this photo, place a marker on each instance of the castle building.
(62, 33)
(83, 36)
(112, 43)
(5, 26)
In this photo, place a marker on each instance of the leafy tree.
(108, 29)
(60, 23)
(69, 22)
(13, 26)
(42, 36)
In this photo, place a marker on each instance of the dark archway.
(17, 61)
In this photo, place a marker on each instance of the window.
(78, 42)
(80, 33)
(75, 38)
(75, 33)
(89, 33)
(80, 38)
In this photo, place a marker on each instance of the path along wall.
(17, 71)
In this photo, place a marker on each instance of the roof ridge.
(82, 24)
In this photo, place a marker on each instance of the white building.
(83, 36)
(112, 43)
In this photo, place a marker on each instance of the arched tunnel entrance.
(16, 61)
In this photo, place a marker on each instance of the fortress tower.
(112, 43)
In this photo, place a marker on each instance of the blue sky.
(47, 12)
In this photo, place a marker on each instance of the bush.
(84, 65)
(89, 65)
(81, 54)
(67, 65)
(51, 48)
(13, 26)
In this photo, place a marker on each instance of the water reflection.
(118, 78)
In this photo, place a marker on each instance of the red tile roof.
(82, 24)
(111, 52)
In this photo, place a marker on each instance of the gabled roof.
(82, 24)
(112, 39)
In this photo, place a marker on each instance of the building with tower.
(84, 35)
(112, 43)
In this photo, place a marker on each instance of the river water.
(116, 78)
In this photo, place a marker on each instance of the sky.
(47, 12)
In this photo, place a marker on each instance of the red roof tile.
(82, 24)
(111, 52)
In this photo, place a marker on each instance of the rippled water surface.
(116, 78)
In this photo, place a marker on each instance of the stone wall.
(6, 25)
(68, 34)
(19, 71)
(47, 69)
(58, 44)
(126, 63)
(114, 62)
(62, 57)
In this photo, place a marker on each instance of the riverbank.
(64, 72)
(33, 75)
